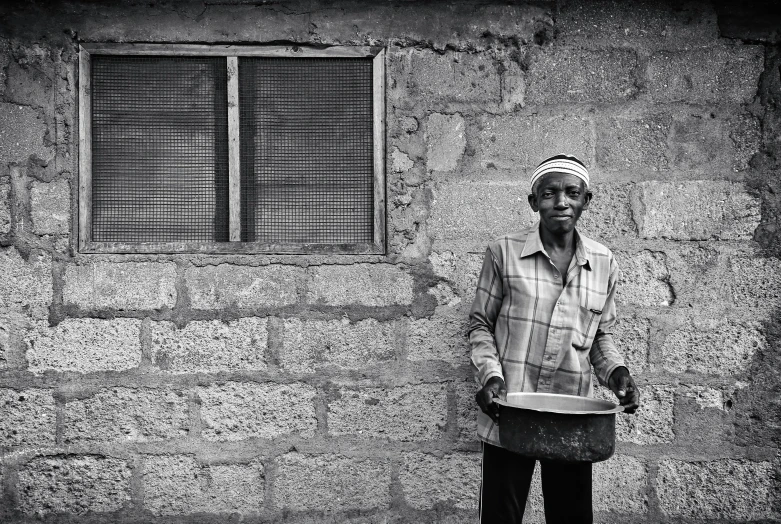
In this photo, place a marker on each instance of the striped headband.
(560, 165)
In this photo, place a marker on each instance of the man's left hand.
(623, 386)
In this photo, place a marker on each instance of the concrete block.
(645, 279)
(27, 284)
(462, 270)
(122, 286)
(706, 143)
(331, 483)
(204, 346)
(620, 485)
(22, 133)
(697, 210)
(713, 347)
(652, 423)
(609, 214)
(725, 489)
(179, 485)
(465, 216)
(633, 143)
(704, 414)
(433, 80)
(126, 415)
(359, 284)
(50, 207)
(400, 161)
(632, 336)
(518, 142)
(85, 345)
(445, 140)
(642, 23)
(441, 337)
(227, 286)
(754, 282)
(234, 411)
(410, 413)
(5, 206)
(558, 75)
(467, 410)
(452, 479)
(309, 345)
(73, 484)
(715, 74)
(27, 418)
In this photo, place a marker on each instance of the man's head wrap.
(566, 164)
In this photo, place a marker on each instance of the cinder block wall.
(308, 389)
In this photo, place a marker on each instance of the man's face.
(559, 199)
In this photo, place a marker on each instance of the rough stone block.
(5, 206)
(706, 143)
(397, 413)
(620, 485)
(179, 485)
(204, 346)
(441, 337)
(462, 270)
(652, 423)
(704, 414)
(641, 23)
(22, 134)
(85, 345)
(359, 284)
(127, 415)
(331, 483)
(560, 75)
(308, 345)
(122, 286)
(521, 142)
(27, 418)
(240, 410)
(466, 216)
(632, 336)
(715, 74)
(644, 279)
(467, 410)
(453, 479)
(400, 161)
(73, 484)
(754, 282)
(433, 79)
(445, 139)
(630, 144)
(681, 211)
(609, 214)
(713, 347)
(27, 285)
(721, 489)
(227, 286)
(51, 207)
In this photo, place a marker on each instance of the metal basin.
(564, 428)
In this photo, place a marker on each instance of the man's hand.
(494, 388)
(623, 385)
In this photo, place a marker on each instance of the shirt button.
(555, 275)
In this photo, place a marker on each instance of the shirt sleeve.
(482, 319)
(604, 355)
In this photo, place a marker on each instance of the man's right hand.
(494, 388)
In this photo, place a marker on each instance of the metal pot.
(564, 428)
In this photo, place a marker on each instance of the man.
(542, 317)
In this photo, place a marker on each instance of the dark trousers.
(566, 489)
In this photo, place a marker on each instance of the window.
(231, 149)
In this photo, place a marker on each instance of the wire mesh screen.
(159, 149)
(306, 150)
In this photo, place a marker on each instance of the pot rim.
(611, 407)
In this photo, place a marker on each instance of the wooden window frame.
(232, 53)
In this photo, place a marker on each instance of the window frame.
(232, 53)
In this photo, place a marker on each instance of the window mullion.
(234, 172)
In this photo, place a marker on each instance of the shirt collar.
(534, 245)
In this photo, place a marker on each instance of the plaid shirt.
(537, 332)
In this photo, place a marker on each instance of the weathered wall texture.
(336, 389)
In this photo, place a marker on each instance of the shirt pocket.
(586, 327)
